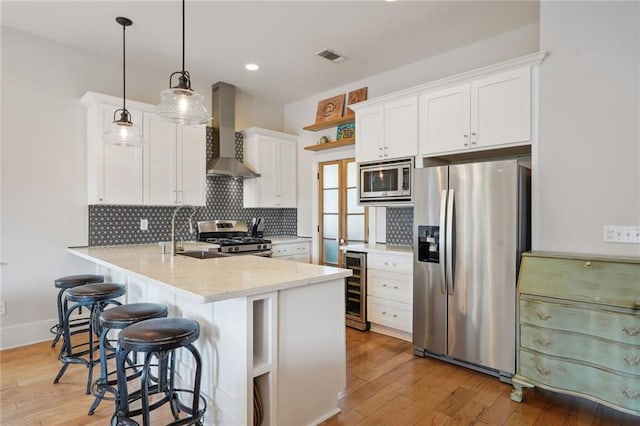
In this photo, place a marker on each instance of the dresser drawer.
(389, 313)
(621, 390)
(616, 326)
(607, 283)
(391, 285)
(608, 354)
(390, 262)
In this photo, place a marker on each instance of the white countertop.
(379, 248)
(287, 239)
(209, 280)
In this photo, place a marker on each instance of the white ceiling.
(282, 37)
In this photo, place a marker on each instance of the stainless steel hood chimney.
(223, 108)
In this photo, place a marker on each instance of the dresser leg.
(517, 393)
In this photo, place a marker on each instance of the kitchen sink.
(202, 254)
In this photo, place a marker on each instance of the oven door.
(261, 253)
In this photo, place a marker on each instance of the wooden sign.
(330, 109)
(354, 97)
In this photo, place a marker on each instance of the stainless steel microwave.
(386, 182)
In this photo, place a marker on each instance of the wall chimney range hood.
(223, 108)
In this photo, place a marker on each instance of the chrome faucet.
(174, 248)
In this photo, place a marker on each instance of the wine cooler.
(355, 288)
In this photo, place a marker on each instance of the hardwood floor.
(386, 385)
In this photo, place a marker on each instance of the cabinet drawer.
(391, 263)
(616, 326)
(608, 283)
(616, 356)
(389, 313)
(391, 285)
(621, 390)
(290, 249)
(295, 258)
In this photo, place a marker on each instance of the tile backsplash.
(114, 225)
(400, 226)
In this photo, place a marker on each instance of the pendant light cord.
(124, 76)
(183, 1)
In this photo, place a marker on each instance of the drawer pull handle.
(636, 304)
(587, 264)
(394, 264)
(632, 360)
(395, 287)
(542, 316)
(384, 313)
(542, 370)
(631, 331)
(543, 342)
(633, 394)
(395, 315)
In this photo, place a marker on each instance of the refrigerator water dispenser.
(429, 244)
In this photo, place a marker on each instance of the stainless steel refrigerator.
(471, 224)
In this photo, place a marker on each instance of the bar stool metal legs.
(94, 297)
(158, 339)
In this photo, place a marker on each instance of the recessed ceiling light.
(252, 67)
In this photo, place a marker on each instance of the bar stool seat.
(94, 297)
(160, 339)
(119, 318)
(63, 284)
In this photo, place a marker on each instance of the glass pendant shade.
(182, 106)
(123, 132)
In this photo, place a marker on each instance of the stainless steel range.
(232, 237)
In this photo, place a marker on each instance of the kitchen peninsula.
(266, 323)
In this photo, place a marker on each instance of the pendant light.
(123, 131)
(180, 103)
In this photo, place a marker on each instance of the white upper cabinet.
(387, 130)
(168, 169)
(274, 156)
(175, 161)
(487, 112)
(114, 173)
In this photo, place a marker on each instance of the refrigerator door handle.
(449, 243)
(441, 242)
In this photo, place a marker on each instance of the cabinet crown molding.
(251, 131)
(91, 98)
(532, 60)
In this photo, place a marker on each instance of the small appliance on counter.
(256, 228)
(233, 238)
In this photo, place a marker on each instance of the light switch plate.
(144, 224)
(621, 234)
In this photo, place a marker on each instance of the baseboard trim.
(398, 334)
(326, 416)
(26, 334)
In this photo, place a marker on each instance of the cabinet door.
(444, 120)
(287, 174)
(117, 169)
(191, 171)
(401, 128)
(160, 185)
(370, 134)
(268, 181)
(501, 109)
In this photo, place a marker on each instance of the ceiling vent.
(332, 56)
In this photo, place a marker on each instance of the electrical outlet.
(3, 307)
(621, 234)
(144, 224)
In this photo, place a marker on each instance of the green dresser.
(579, 328)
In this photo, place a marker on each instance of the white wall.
(589, 150)
(43, 166)
(505, 46)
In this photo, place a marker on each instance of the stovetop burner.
(236, 241)
(231, 236)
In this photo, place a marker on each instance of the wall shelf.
(332, 123)
(329, 145)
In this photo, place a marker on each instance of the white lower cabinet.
(297, 252)
(390, 294)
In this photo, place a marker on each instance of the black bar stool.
(95, 297)
(159, 339)
(119, 318)
(63, 284)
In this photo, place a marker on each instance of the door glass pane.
(352, 201)
(330, 201)
(330, 176)
(330, 226)
(352, 174)
(355, 227)
(330, 251)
